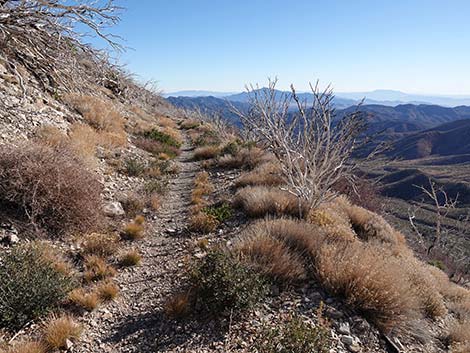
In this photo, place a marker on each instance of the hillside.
(443, 140)
(129, 224)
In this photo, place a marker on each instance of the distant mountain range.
(444, 140)
(344, 99)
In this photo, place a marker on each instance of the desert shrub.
(97, 269)
(260, 201)
(59, 330)
(266, 174)
(178, 305)
(206, 138)
(221, 212)
(221, 283)
(203, 223)
(103, 245)
(370, 280)
(156, 186)
(231, 148)
(82, 299)
(270, 256)
(51, 189)
(293, 336)
(206, 152)
(165, 166)
(30, 285)
(131, 258)
(134, 167)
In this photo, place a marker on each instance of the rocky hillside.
(127, 225)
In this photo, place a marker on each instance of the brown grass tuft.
(107, 291)
(371, 280)
(133, 231)
(206, 152)
(60, 329)
(203, 223)
(131, 258)
(83, 299)
(459, 334)
(266, 174)
(246, 158)
(178, 305)
(258, 201)
(97, 269)
(270, 256)
(28, 347)
(103, 245)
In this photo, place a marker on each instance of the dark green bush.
(220, 212)
(221, 283)
(296, 336)
(30, 285)
(159, 136)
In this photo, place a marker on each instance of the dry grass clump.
(107, 291)
(156, 147)
(135, 229)
(133, 204)
(102, 116)
(206, 152)
(370, 226)
(58, 330)
(103, 245)
(371, 280)
(28, 347)
(203, 223)
(131, 258)
(270, 256)
(88, 301)
(266, 174)
(52, 189)
(247, 158)
(258, 201)
(97, 269)
(166, 122)
(178, 305)
(189, 124)
(459, 335)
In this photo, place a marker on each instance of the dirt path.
(135, 322)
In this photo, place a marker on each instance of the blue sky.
(418, 46)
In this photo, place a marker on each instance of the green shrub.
(221, 283)
(30, 285)
(221, 212)
(159, 136)
(296, 336)
(134, 167)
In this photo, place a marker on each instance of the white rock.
(113, 208)
(344, 329)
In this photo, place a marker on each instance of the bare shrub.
(361, 192)
(51, 189)
(371, 280)
(312, 144)
(260, 201)
(103, 245)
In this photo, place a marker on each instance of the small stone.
(354, 348)
(12, 238)
(344, 329)
(68, 344)
(347, 340)
(113, 208)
